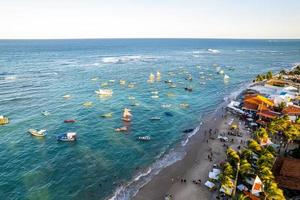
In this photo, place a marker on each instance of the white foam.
(214, 51)
(10, 78)
(126, 59)
(126, 192)
(189, 135)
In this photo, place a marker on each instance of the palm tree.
(228, 170)
(265, 173)
(272, 191)
(246, 154)
(226, 181)
(242, 197)
(266, 159)
(254, 146)
(232, 156)
(291, 133)
(261, 134)
(245, 168)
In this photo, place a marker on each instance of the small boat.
(107, 115)
(122, 129)
(166, 105)
(131, 85)
(168, 114)
(158, 77)
(94, 79)
(40, 133)
(70, 121)
(131, 98)
(111, 81)
(171, 95)
(189, 89)
(127, 115)
(45, 113)
(144, 138)
(67, 137)
(172, 85)
(104, 92)
(3, 120)
(155, 97)
(188, 130)
(189, 78)
(155, 118)
(151, 78)
(88, 104)
(226, 77)
(154, 92)
(67, 96)
(184, 105)
(122, 82)
(135, 104)
(168, 81)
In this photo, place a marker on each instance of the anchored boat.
(67, 137)
(40, 133)
(144, 138)
(127, 115)
(3, 120)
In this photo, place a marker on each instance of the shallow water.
(35, 75)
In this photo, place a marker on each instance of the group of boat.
(65, 137)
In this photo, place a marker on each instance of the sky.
(59, 19)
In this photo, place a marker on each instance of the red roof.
(268, 114)
(291, 110)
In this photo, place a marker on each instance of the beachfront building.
(292, 111)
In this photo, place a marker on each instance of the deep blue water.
(36, 74)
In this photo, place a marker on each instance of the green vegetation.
(280, 107)
(261, 77)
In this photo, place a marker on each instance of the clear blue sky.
(149, 19)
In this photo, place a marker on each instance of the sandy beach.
(195, 164)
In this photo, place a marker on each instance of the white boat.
(127, 115)
(67, 96)
(67, 137)
(144, 138)
(155, 118)
(104, 92)
(226, 77)
(155, 97)
(166, 105)
(45, 113)
(122, 129)
(40, 133)
(131, 98)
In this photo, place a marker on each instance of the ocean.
(102, 163)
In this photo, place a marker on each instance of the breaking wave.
(214, 51)
(126, 59)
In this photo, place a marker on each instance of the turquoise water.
(36, 74)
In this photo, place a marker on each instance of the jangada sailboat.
(158, 76)
(151, 78)
(127, 115)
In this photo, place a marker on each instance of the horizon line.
(136, 38)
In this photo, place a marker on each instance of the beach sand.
(195, 165)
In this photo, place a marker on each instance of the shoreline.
(167, 180)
